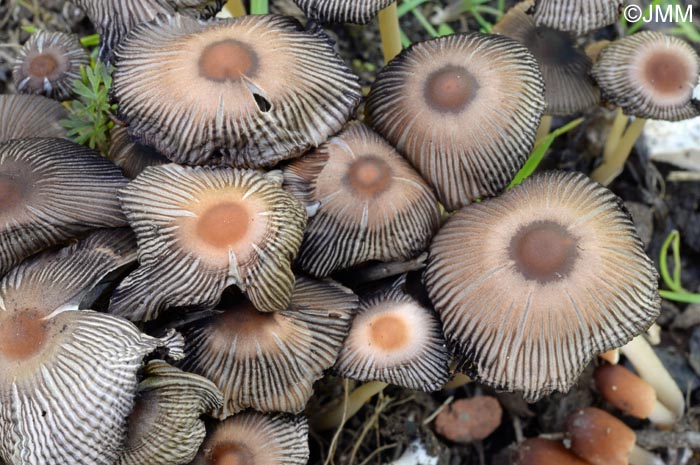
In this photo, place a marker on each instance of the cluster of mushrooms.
(196, 268)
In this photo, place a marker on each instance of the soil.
(385, 427)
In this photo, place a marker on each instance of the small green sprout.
(673, 281)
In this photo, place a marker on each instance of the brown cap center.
(22, 336)
(227, 60)
(10, 192)
(43, 65)
(543, 251)
(668, 73)
(389, 332)
(450, 89)
(231, 454)
(224, 224)
(369, 176)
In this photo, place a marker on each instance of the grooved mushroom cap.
(565, 68)
(252, 438)
(131, 156)
(68, 377)
(463, 109)
(49, 63)
(538, 451)
(245, 92)
(29, 116)
(200, 230)
(396, 340)
(625, 390)
(165, 426)
(532, 285)
(342, 11)
(599, 438)
(269, 361)
(373, 205)
(113, 19)
(577, 16)
(649, 75)
(52, 190)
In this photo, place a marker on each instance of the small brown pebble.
(467, 420)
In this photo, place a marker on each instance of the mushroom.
(373, 205)
(647, 75)
(269, 361)
(52, 190)
(244, 92)
(25, 116)
(467, 420)
(165, 426)
(537, 451)
(203, 229)
(49, 63)
(577, 16)
(131, 156)
(463, 109)
(252, 437)
(68, 377)
(532, 285)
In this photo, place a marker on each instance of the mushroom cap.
(537, 451)
(599, 438)
(396, 340)
(373, 205)
(269, 361)
(625, 390)
(532, 285)
(252, 437)
(200, 230)
(649, 75)
(52, 190)
(165, 426)
(342, 11)
(463, 109)
(577, 16)
(468, 420)
(568, 87)
(131, 156)
(49, 63)
(113, 19)
(25, 116)
(244, 92)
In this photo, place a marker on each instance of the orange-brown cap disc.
(342, 11)
(463, 109)
(200, 230)
(533, 284)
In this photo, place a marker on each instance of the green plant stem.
(425, 23)
(674, 281)
(258, 7)
(390, 31)
(358, 398)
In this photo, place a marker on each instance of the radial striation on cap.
(245, 92)
(200, 230)
(49, 63)
(396, 340)
(255, 438)
(270, 361)
(165, 427)
(577, 16)
(52, 190)
(650, 75)
(342, 11)
(373, 204)
(533, 284)
(28, 116)
(131, 156)
(568, 87)
(463, 109)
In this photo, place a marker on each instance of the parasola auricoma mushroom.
(577, 16)
(25, 116)
(532, 285)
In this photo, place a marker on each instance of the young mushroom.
(532, 285)
(30, 116)
(463, 109)
(245, 92)
(373, 205)
(467, 420)
(537, 451)
(203, 229)
(577, 16)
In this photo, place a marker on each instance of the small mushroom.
(577, 16)
(467, 420)
(25, 116)
(342, 11)
(537, 451)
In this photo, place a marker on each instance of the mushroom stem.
(611, 356)
(359, 397)
(543, 129)
(235, 7)
(651, 370)
(616, 130)
(639, 456)
(459, 380)
(613, 166)
(662, 416)
(390, 31)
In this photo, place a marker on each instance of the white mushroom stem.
(341, 412)
(654, 334)
(650, 369)
(662, 416)
(640, 456)
(611, 356)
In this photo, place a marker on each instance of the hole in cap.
(227, 60)
(544, 251)
(450, 89)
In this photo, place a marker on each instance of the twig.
(336, 436)
(432, 416)
(382, 403)
(379, 450)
